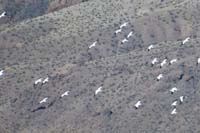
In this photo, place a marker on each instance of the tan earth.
(55, 43)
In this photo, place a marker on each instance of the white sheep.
(93, 44)
(174, 89)
(185, 40)
(66, 93)
(130, 34)
(159, 77)
(98, 90)
(123, 25)
(172, 61)
(138, 104)
(43, 100)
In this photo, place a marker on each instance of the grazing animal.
(174, 103)
(173, 111)
(1, 72)
(66, 93)
(138, 104)
(198, 61)
(185, 40)
(98, 90)
(43, 100)
(155, 60)
(45, 80)
(174, 89)
(181, 98)
(118, 31)
(123, 25)
(3, 15)
(93, 44)
(130, 34)
(159, 77)
(124, 40)
(163, 63)
(38, 81)
(150, 47)
(172, 61)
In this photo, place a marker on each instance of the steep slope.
(56, 45)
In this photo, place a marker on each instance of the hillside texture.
(55, 43)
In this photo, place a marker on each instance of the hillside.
(56, 44)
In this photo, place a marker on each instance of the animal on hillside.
(118, 31)
(38, 81)
(130, 34)
(173, 111)
(43, 100)
(93, 44)
(3, 14)
(66, 93)
(155, 60)
(172, 61)
(185, 40)
(123, 25)
(150, 47)
(163, 63)
(138, 104)
(159, 77)
(98, 90)
(124, 40)
(1, 72)
(173, 90)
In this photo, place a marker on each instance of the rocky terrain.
(55, 44)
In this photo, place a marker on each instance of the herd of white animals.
(98, 90)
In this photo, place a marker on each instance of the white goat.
(174, 103)
(3, 15)
(174, 89)
(66, 93)
(98, 90)
(198, 61)
(124, 40)
(130, 34)
(1, 72)
(181, 98)
(118, 31)
(172, 61)
(43, 100)
(159, 77)
(93, 44)
(155, 60)
(173, 111)
(45, 80)
(38, 81)
(185, 40)
(163, 63)
(123, 25)
(138, 104)
(150, 47)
